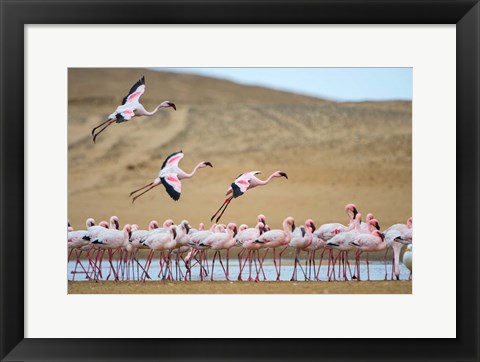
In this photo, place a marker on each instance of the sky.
(338, 84)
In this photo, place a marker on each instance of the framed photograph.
(74, 76)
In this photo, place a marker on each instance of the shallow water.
(376, 268)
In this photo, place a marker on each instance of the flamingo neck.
(260, 182)
(147, 113)
(189, 175)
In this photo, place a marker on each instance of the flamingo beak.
(208, 164)
(313, 226)
(174, 233)
(235, 231)
(117, 225)
(283, 174)
(293, 226)
(170, 104)
(187, 228)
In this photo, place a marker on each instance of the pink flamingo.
(162, 241)
(241, 184)
(341, 242)
(406, 238)
(246, 239)
(131, 107)
(113, 240)
(75, 242)
(301, 239)
(197, 242)
(136, 242)
(328, 231)
(276, 238)
(222, 241)
(316, 244)
(170, 176)
(368, 242)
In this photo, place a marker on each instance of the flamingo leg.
(385, 261)
(221, 263)
(294, 274)
(153, 185)
(368, 269)
(280, 262)
(108, 123)
(319, 264)
(213, 263)
(226, 205)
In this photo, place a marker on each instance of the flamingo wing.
(172, 185)
(124, 113)
(240, 185)
(135, 92)
(173, 160)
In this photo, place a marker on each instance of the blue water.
(377, 271)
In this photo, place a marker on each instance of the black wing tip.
(170, 190)
(142, 80)
(236, 190)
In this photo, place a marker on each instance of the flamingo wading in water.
(242, 183)
(131, 107)
(170, 176)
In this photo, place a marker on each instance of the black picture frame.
(16, 14)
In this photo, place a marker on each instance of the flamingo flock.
(180, 249)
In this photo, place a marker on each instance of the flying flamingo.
(242, 183)
(131, 107)
(170, 176)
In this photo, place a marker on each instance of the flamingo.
(301, 239)
(76, 242)
(197, 242)
(316, 244)
(241, 184)
(406, 238)
(247, 240)
(170, 176)
(275, 238)
(407, 259)
(222, 241)
(372, 242)
(163, 241)
(341, 242)
(131, 107)
(328, 231)
(113, 240)
(181, 247)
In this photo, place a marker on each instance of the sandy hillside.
(334, 153)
